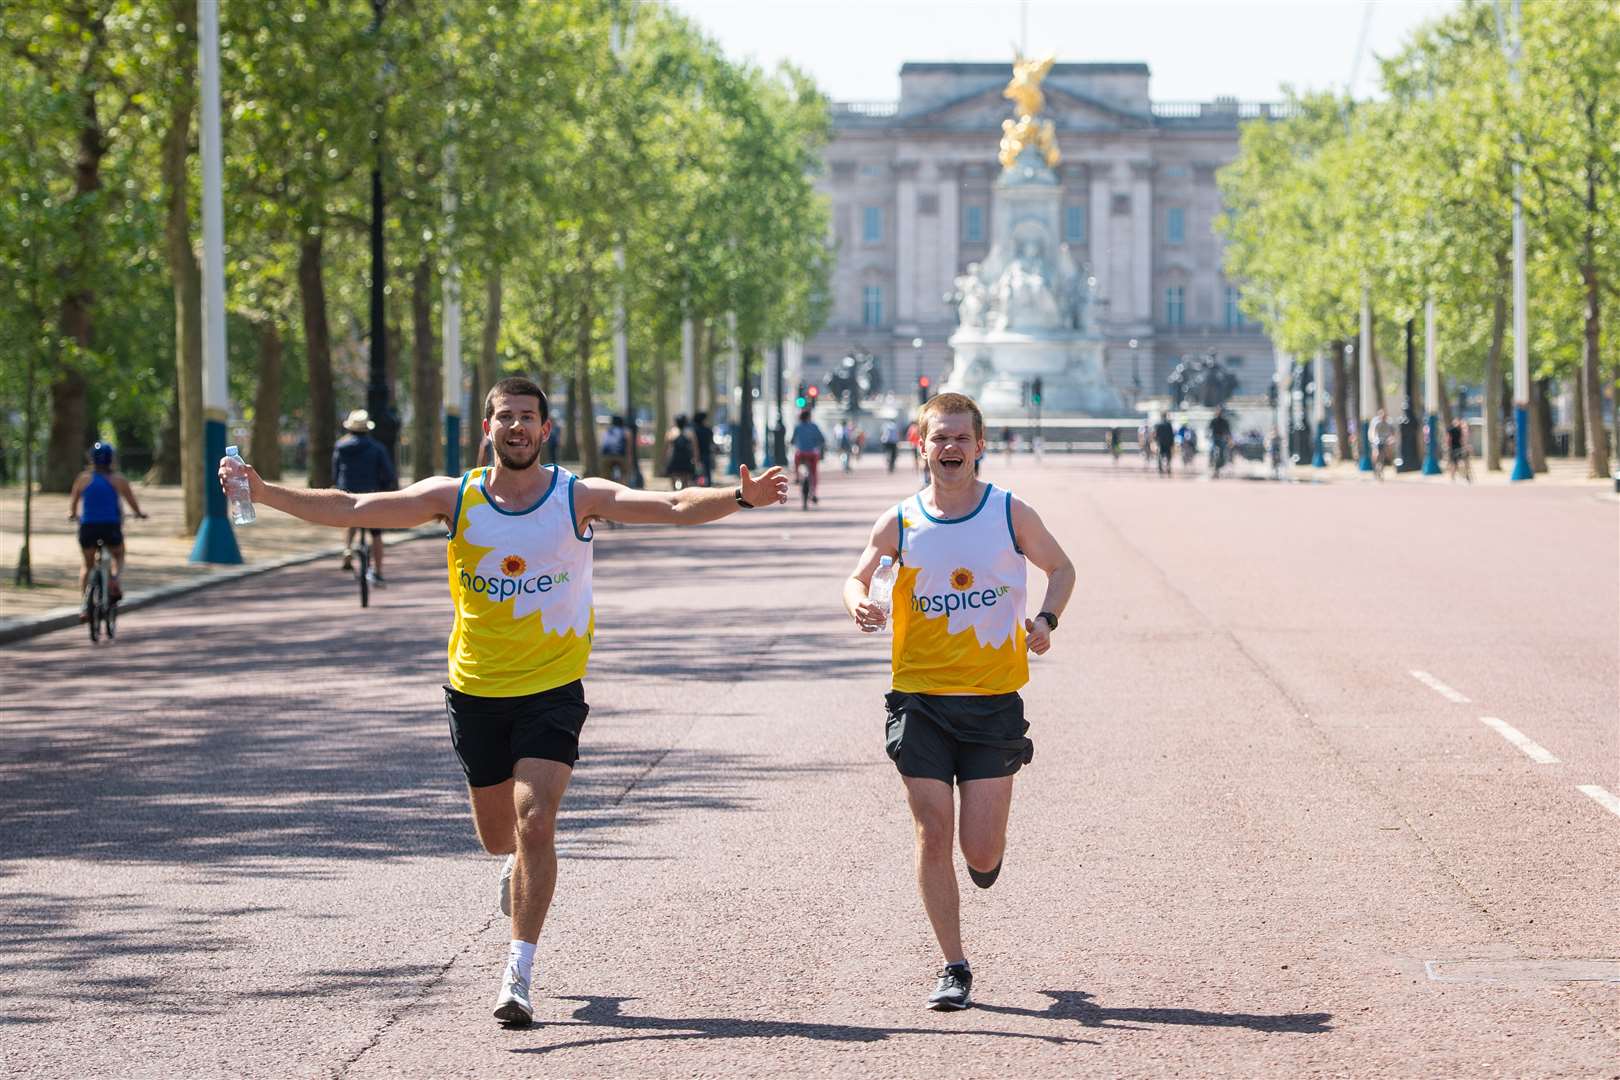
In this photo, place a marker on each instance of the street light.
(621, 34)
(1513, 48)
(1136, 374)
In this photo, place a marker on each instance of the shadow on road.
(1076, 1005)
(605, 1012)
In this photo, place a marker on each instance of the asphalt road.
(1251, 842)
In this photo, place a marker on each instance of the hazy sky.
(1195, 48)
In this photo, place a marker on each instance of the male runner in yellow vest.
(960, 635)
(520, 579)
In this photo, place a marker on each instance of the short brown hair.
(515, 386)
(945, 405)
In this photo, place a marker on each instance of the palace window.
(872, 224)
(1175, 305)
(973, 225)
(1074, 224)
(1175, 225)
(872, 305)
(1234, 314)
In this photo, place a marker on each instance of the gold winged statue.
(1025, 92)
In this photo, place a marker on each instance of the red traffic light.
(922, 381)
(814, 393)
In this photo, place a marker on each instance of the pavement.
(1252, 840)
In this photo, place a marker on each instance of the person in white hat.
(360, 465)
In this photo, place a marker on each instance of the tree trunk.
(660, 449)
(25, 556)
(570, 434)
(704, 346)
(184, 272)
(489, 359)
(318, 343)
(427, 376)
(1341, 402)
(266, 445)
(1377, 365)
(589, 456)
(1492, 435)
(1540, 429)
(166, 465)
(1577, 418)
(1597, 454)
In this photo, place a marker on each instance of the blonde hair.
(946, 405)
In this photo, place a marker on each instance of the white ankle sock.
(521, 957)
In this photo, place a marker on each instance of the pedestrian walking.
(361, 466)
(1144, 443)
(890, 438)
(1164, 435)
(916, 447)
(681, 464)
(956, 729)
(1111, 442)
(520, 584)
(616, 450)
(1458, 451)
(1380, 442)
(703, 436)
(1009, 441)
(1274, 453)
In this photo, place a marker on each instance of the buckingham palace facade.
(909, 184)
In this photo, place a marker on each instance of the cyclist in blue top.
(360, 466)
(102, 519)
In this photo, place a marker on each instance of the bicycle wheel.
(93, 601)
(112, 617)
(362, 566)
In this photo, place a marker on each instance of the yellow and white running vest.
(521, 584)
(959, 601)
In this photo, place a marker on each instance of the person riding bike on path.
(360, 466)
(520, 582)
(1381, 442)
(808, 444)
(1164, 436)
(960, 634)
(102, 519)
(1220, 440)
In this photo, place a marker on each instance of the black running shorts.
(110, 533)
(956, 738)
(490, 734)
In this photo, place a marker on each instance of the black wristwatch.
(742, 502)
(1051, 619)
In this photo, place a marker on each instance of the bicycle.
(98, 598)
(804, 485)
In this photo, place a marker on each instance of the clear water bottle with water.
(881, 591)
(238, 494)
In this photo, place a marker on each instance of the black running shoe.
(953, 989)
(985, 879)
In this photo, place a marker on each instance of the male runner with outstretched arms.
(520, 580)
(960, 635)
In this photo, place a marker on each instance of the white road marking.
(1439, 687)
(1609, 802)
(1532, 749)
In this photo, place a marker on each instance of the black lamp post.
(1411, 459)
(379, 402)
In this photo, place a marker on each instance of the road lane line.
(1532, 749)
(1609, 802)
(1439, 687)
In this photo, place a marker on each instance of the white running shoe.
(505, 902)
(512, 1003)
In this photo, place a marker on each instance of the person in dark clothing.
(703, 437)
(361, 465)
(1164, 435)
(681, 465)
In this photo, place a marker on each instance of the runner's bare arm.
(597, 498)
(1042, 549)
(434, 497)
(885, 540)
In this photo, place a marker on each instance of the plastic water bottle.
(237, 492)
(881, 591)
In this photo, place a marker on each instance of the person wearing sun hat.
(520, 565)
(961, 633)
(360, 466)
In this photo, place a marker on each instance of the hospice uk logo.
(511, 583)
(964, 597)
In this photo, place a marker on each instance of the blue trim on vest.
(461, 493)
(900, 548)
(1010, 531)
(525, 510)
(573, 517)
(988, 487)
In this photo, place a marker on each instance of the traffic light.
(1035, 391)
(802, 399)
(812, 393)
(922, 389)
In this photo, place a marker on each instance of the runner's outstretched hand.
(229, 470)
(770, 487)
(1037, 636)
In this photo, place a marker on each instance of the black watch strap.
(1051, 619)
(742, 502)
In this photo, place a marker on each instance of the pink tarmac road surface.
(1251, 843)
